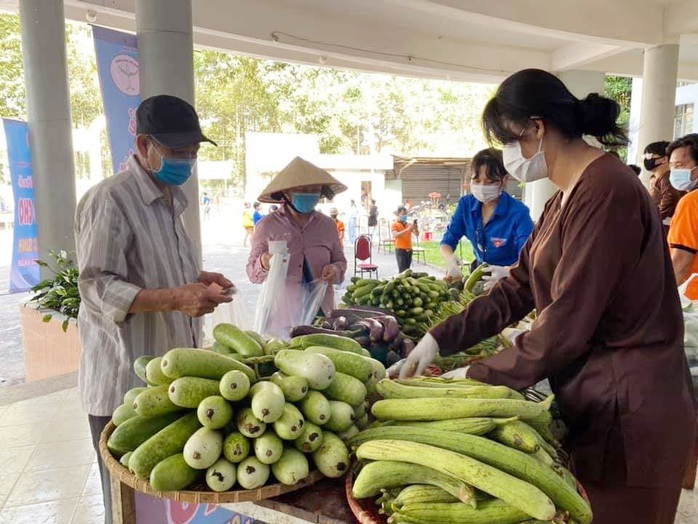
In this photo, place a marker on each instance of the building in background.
(685, 120)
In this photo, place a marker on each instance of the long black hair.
(537, 93)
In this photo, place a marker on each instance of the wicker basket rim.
(118, 471)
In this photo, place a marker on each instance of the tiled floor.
(48, 469)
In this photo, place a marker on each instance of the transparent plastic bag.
(690, 334)
(295, 305)
(235, 312)
(313, 295)
(272, 295)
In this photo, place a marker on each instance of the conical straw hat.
(300, 173)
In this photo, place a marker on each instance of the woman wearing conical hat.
(311, 237)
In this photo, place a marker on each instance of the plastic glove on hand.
(394, 370)
(420, 357)
(457, 373)
(453, 267)
(494, 274)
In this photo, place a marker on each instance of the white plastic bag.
(273, 291)
(234, 312)
(690, 334)
(312, 296)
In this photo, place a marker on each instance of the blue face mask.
(403, 218)
(174, 171)
(681, 179)
(304, 202)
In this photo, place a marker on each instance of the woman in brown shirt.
(609, 329)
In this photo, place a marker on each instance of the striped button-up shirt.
(128, 238)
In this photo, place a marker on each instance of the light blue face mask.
(681, 179)
(304, 202)
(174, 171)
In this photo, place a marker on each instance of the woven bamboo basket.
(365, 510)
(194, 496)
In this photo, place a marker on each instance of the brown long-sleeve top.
(609, 328)
(664, 195)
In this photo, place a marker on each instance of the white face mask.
(681, 179)
(521, 168)
(486, 193)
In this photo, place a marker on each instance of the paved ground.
(223, 251)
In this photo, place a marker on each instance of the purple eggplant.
(311, 330)
(359, 326)
(407, 347)
(363, 340)
(357, 312)
(391, 358)
(340, 322)
(391, 327)
(396, 344)
(377, 329)
(373, 327)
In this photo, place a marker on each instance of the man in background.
(683, 234)
(402, 234)
(334, 214)
(664, 195)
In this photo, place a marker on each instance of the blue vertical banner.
(117, 65)
(24, 272)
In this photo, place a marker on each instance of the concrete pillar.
(580, 83)
(166, 56)
(657, 111)
(48, 113)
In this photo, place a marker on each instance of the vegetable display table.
(314, 499)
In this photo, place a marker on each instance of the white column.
(48, 113)
(657, 111)
(166, 55)
(580, 83)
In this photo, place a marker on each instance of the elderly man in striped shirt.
(142, 289)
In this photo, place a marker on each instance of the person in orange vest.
(402, 234)
(340, 225)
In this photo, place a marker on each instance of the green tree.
(232, 99)
(12, 93)
(620, 88)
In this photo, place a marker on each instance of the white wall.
(684, 95)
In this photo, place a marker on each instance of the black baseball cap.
(171, 121)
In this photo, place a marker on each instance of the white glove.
(453, 267)
(457, 373)
(512, 334)
(394, 370)
(420, 357)
(496, 273)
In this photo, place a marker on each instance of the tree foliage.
(620, 88)
(351, 112)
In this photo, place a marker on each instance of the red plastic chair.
(363, 252)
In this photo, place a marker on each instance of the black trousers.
(97, 424)
(404, 259)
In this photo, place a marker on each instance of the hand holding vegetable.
(420, 357)
(494, 274)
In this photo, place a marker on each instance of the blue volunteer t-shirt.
(500, 241)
